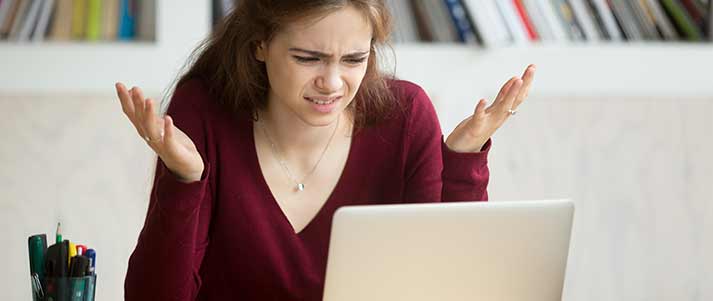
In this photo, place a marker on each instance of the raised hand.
(471, 134)
(172, 145)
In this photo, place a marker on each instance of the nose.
(330, 80)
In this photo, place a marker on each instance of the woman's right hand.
(172, 145)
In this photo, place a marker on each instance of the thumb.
(479, 109)
(168, 129)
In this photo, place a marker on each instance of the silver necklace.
(299, 185)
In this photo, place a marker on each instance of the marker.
(37, 246)
(92, 255)
(59, 234)
(81, 249)
(72, 252)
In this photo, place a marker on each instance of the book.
(19, 16)
(696, 13)
(62, 25)
(625, 17)
(10, 17)
(94, 20)
(440, 21)
(43, 21)
(127, 20)
(30, 21)
(610, 23)
(566, 15)
(146, 20)
(488, 23)
(522, 13)
(515, 25)
(668, 32)
(556, 24)
(404, 28)
(598, 19)
(543, 29)
(710, 20)
(643, 20)
(79, 19)
(585, 20)
(459, 17)
(424, 30)
(683, 22)
(5, 7)
(110, 20)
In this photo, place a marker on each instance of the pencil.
(59, 233)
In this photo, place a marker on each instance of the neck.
(296, 139)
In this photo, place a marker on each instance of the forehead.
(342, 30)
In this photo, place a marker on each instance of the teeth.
(320, 102)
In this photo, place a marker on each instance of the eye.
(304, 59)
(355, 61)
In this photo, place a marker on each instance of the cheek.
(288, 79)
(354, 78)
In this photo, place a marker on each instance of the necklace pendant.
(300, 187)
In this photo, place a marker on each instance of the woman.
(283, 118)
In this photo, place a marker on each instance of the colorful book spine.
(681, 19)
(522, 12)
(94, 20)
(110, 19)
(79, 19)
(127, 20)
(465, 31)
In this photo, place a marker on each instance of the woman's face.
(315, 67)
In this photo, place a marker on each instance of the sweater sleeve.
(170, 248)
(433, 172)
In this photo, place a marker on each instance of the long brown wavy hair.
(238, 81)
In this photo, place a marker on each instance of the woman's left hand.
(473, 132)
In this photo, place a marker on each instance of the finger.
(152, 124)
(509, 99)
(479, 109)
(168, 128)
(498, 102)
(169, 133)
(504, 88)
(527, 78)
(127, 106)
(139, 107)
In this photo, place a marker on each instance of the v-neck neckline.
(273, 200)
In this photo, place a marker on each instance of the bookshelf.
(446, 70)
(93, 67)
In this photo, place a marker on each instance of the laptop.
(449, 251)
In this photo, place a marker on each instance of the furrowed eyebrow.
(326, 55)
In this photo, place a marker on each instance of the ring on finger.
(512, 112)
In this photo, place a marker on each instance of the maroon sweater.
(225, 237)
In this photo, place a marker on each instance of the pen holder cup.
(67, 289)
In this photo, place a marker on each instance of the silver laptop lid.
(449, 251)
